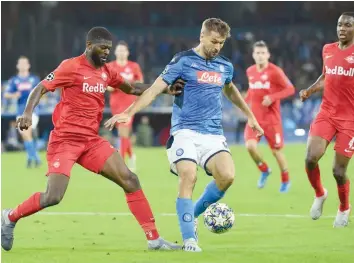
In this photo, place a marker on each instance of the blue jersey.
(24, 85)
(199, 107)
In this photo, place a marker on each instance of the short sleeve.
(61, 77)
(115, 79)
(229, 74)
(11, 86)
(173, 70)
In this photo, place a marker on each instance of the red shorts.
(91, 153)
(326, 128)
(273, 134)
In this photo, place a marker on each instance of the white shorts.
(35, 120)
(193, 146)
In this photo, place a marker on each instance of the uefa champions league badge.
(179, 152)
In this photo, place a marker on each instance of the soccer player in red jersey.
(120, 101)
(267, 86)
(75, 139)
(334, 120)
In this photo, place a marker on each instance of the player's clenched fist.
(118, 118)
(176, 87)
(255, 126)
(24, 121)
(304, 94)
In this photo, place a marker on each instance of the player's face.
(212, 43)
(99, 51)
(121, 52)
(261, 55)
(345, 28)
(23, 65)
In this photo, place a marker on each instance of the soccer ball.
(219, 218)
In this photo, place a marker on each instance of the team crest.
(50, 77)
(222, 68)
(350, 59)
(179, 152)
(264, 77)
(104, 76)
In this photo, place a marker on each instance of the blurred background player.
(19, 88)
(335, 119)
(197, 135)
(120, 101)
(267, 86)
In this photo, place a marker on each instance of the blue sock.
(34, 152)
(184, 209)
(211, 195)
(28, 149)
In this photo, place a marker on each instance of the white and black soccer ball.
(219, 218)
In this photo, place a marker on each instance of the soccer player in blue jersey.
(196, 133)
(19, 88)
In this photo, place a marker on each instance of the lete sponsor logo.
(96, 88)
(209, 77)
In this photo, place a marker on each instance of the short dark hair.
(217, 25)
(23, 57)
(98, 34)
(348, 14)
(260, 43)
(123, 43)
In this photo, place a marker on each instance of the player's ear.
(88, 45)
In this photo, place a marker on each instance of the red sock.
(315, 180)
(343, 193)
(284, 176)
(123, 147)
(27, 208)
(140, 208)
(263, 167)
(129, 148)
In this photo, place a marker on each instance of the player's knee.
(227, 178)
(188, 176)
(339, 173)
(51, 199)
(251, 146)
(130, 182)
(312, 160)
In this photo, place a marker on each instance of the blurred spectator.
(144, 133)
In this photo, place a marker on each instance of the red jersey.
(338, 96)
(271, 82)
(120, 101)
(81, 105)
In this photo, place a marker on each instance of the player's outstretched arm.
(315, 87)
(232, 93)
(143, 101)
(25, 121)
(138, 88)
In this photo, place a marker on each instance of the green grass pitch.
(269, 226)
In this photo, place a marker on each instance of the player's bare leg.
(343, 184)
(283, 166)
(126, 145)
(30, 147)
(316, 147)
(56, 187)
(116, 171)
(187, 175)
(252, 149)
